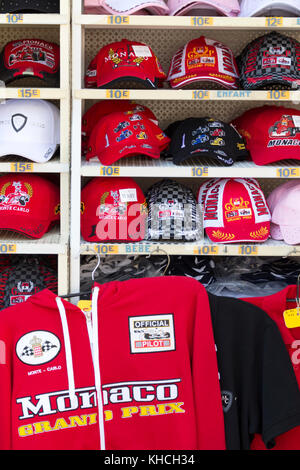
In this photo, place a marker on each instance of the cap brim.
(275, 231)
(146, 82)
(40, 154)
(258, 9)
(108, 157)
(187, 81)
(290, 234)
(27, 226)
(190, 5)
(221, 235)
(156, 8)
(179, 158)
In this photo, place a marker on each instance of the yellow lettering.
(60, 424)
(43, 426)
(128, 412)
(170, 408)
(148, 411)
(93, 418)
(108, 415)
(78, 421)
(25, 431)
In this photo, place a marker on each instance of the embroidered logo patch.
(152, 333)
(37, 347)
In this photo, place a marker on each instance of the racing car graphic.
(217, 141)
(121, 126)
(217, 133)
(124, 135)
(200, 139)
(284, 128)
(200, 130)
(16, 198)
(154, 333)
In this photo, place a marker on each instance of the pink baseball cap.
(126, 7)
(285, 209)
(225, 7)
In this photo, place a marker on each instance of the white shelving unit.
(55, 28)
(90, 33)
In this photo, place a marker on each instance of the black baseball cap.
(26, 6)
(272, 59)
(205, 137)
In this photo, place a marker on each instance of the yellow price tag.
(248, 250)
(29, 93)
(200, 171)
(8, 248)
(278, 95)
(110, 171)
(200, 95)
(118, 20)
(21, 167)
(85, 305)
(292, 318)
(288, 172)
(107, 249)
(118, 94)
(202, 21)
(274, 22)
(206, 250)
(14, 18)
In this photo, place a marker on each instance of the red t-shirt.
(274, 306)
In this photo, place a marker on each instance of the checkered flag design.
(46, 346)
(27, 351)
(175, 197)
(254, 73)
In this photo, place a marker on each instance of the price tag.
(200, 171)
(274, 22)
(118, 20)
(200, 95)
(109, 171)
(118, 94)
(202, 21)
(206, 250)
(288, 172)
(29, 93)
(292, 318)
(8, 248)
(278, 95)
(14, 18)
(248, 250)
(85, 306)
(107, 249)
(21, 167)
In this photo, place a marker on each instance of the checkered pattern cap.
(273, 59)
(173, 212)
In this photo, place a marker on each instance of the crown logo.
(36, 344)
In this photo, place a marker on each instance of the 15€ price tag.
(29, 93)
(21, 167)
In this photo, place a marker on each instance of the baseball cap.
(205, 137)
(271, 133)
(103, 108)
(203, 59)
(112, 209)
(29, 129)
(285, 209)
(235, 210)
(23, 278)
(125, 61)
(36, 6)
(272, 59)
(29, 204)
(173, 213)
(269, 8)
(120, 135)
(30, 58)
(225, 7)
(126, 7)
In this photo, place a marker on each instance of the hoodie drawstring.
(69, 360)
(98, 383)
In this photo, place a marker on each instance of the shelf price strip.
(8, 248)
(288, 172)
(21, 167)
(14, 18)
(29, 93)
(118, 20)
(106, 249)
(202, 21)
(274, 22)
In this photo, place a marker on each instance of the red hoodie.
(145, 366)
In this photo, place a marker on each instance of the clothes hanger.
(297, 300)
(81, 294)
(160, 250)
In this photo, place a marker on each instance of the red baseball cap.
(29, 204)
(30, 58)
(271, 133)
(103, 108)
(235, 210)
(204, 59)
(113, 209)
(126, 134)
(123, 61)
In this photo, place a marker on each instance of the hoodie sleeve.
(5, 388)
(207, 391)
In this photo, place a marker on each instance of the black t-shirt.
(260, 393)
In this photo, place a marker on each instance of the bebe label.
(128, 195)
(152, 333)
(142, 51)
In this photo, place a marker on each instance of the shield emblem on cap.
(227, 399)
(19, 121)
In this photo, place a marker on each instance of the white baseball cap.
(126, 7)
(29, 129)
(270, 7)
(224, 7)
